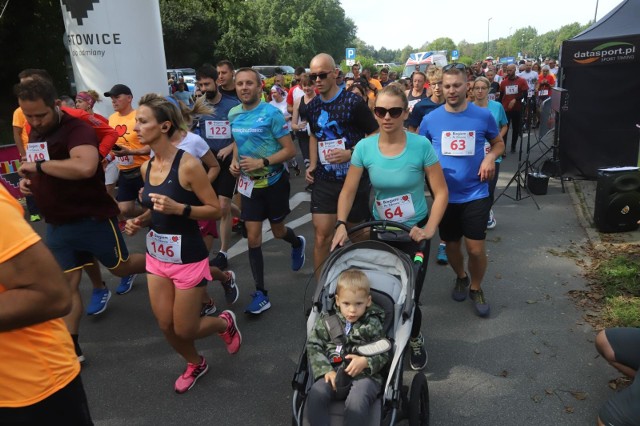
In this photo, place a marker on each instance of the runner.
(338, 120)
(177, 193)
(263, 145)
(225, 80)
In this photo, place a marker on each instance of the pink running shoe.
(191, 375)
(231, 336)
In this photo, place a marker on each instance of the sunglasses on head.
(456, 66)
(322, 75)
(394, 112)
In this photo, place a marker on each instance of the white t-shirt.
(282, 106)
(530, 77)
(193, 144)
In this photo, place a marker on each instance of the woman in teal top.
(397, 162)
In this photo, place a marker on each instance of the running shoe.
(492, 220)
(208, 308)
(297, 255)
(419, 357)
(126, 283)
(480, 303)
(99, 299)
(220, 261)
(441, 258)
(35, 218)
(259, 304)
(460, 289)
(191, 375)
(231, 336)
(309, 188)
(231, 291)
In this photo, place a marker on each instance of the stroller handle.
(422, 246)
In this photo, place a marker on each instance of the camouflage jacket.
(366, 330)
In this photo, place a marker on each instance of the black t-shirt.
(346, 116)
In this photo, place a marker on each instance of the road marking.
(299, 198)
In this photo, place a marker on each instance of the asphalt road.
(517, 367)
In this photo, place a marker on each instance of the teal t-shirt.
(398, 181)
(256, 133)
(497, 110)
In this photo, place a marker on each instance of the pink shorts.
(208, 227)
(184, 276)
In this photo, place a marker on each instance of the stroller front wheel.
(419, 401)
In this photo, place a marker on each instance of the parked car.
(270, 70)
(189, 75)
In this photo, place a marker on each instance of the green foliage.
(442, 43)
(467, 60)
(620, 275)
(622, 311)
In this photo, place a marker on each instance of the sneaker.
(419, 357)
(442, 259)
(191, 376)
(220, 261)
(231, 336)
(309, 188)
(231, 291)
(208, 308)
(126, 283)
(99, 299)
(79, 353)
(492, 220)
(259, 304)
(235, 225)
(297, 255)
(460, 290)
(35, 218)
(480, 303)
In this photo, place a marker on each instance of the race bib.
(491, 96)
(164, 247)
(458, 143)
(543, 93)
(245, 186)
(487, 148)
(530, 93)
(217, 129)
(325, 147)
(37, 151)
(398, 209)
(412, 103)
(511, 90)
(125, 160)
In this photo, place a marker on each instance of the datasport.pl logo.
(614, 51)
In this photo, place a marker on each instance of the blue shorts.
(129, 184)
(76, 244)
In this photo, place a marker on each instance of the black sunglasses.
(322, 75)
(394, 112)
(462, 67)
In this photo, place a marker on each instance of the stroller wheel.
(419, 401)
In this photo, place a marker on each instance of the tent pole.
(595, 16)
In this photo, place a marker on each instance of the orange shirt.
(38, 360)
(19, 120)
(127, 138)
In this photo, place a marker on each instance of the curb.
(580, 206)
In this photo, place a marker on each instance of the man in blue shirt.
(263, 145)
(458, 131)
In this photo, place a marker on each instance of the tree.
(442, 43)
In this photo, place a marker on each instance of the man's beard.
(210, 94)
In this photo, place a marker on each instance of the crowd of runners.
(183, 170)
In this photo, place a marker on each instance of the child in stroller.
(355, 378)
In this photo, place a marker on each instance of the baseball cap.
(118, 89)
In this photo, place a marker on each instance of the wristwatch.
(265, 161)
(39, 166)
(187, 210)
(340, 222)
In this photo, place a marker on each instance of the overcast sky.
(397, 24)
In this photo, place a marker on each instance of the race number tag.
(325, 147)
(543, 93)
(487, 148)
(511, 90)
(458, 143)
(245, 186)
(217, 129)
(164, 247)
(413, 103)
(530, 93)
(491, 96)
(37, 151)
(125, 160)
(398, 209)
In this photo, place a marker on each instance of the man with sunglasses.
(338, 120)
(458, 131)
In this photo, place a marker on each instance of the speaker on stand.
(617, 207)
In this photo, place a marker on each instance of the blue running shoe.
(259, 304)
(442, 259)
(126, 283)
(297, 255)
(99, 299)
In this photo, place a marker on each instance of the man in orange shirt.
(39, 373)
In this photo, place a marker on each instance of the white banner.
(115, 42)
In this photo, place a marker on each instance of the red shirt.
(513, 89)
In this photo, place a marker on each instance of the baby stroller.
(392, 276)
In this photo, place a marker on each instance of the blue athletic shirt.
(461, 172)
(256, 133)
(397, 176)
(346, 116)
(220, 113)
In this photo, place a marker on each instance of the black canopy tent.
(601, 71)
